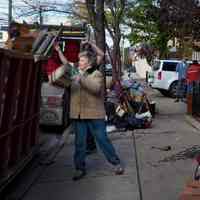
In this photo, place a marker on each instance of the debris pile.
(127, 106)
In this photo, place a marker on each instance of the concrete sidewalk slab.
(99, 188)
(192, 121)
(163, 173)
(101, 183)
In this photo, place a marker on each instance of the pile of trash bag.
(127, 106)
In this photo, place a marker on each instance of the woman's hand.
(90, 42)
(57, 47)
(60, 53)
(83, 42)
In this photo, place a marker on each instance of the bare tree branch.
(109, 52)
(111, 32)
(91, 11)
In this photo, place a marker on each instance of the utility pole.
(40, 15)
(123, 52)
(9, 12)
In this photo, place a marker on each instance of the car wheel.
(173, 89)
(164, 93)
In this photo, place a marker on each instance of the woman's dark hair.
(87, 47)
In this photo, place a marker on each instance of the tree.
(111, 18)
(80, 10)
(96, 16)
(144, 20)
(92, 11)
(114, 13)
(39, 8)
(181, 19)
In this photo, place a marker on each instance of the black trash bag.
(138, 106)
(134, 123)
(120, 122)
(110, 111)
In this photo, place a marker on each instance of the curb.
(56, 146)
(192, 121)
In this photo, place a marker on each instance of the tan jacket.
(87, 100)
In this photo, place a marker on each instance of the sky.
(53, 18)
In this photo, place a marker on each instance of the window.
(169, 66)
(1, 35)
(156, 66)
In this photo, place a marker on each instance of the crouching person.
(88, 113)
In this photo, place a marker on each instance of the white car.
(164, 77)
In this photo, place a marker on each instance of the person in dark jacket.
(181, 69)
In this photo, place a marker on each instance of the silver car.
(54, 108)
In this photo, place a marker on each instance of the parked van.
(54, 107)
(163, 76)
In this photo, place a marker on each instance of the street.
(163, 172)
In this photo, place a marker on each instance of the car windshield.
(156, 65)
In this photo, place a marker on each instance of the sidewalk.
(192, 121)
(163, 173)
(101, 183)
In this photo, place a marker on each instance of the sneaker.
(79, 174)
(119, 170)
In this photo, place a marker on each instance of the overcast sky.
(53, 18)
(50, 18)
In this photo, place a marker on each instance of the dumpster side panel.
(20, 83)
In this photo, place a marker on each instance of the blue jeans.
(98, 129)
(181, 89)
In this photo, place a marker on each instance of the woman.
(91, 47)
(87, 111)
